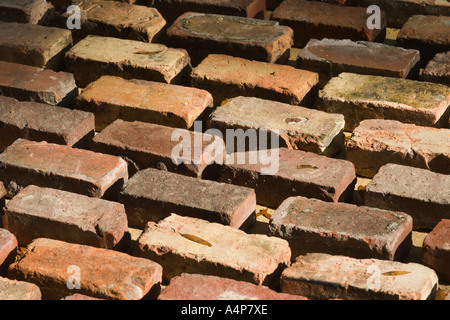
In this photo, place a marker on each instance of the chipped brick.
(18, 290)
(8, 247)
(438, 69)
(24, 11)
(436, 250)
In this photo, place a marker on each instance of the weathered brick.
(428, 34)
(311, 225)
(111, 98)
(422, 194)
(230, 253)
(438, 69)
(34, 45)
(324, 276)
(8, 246)
(330, 57)
(359, 97)
(171, 10)
(153, 194)
(436, 250)
(61, 167)
(25, 11)
(95, 56)
(298, 127)
(27, 83)
(18, 290)
(115, 19)
(2, 194)
(375, 143)
(55, 214)
(203, 287)
(79, 297)
(255, 39)
(104, 273)
(298, 173)
(147, 145)
(226, 77)
(41, 122)
(318, 20)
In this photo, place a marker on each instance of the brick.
(18, 290)
(299, 173)
(24, 11)
(324, 276)
(255, 39)
(171, 10)
(79, 297)
(61, 167)
(41, 122)
(330, 57)
(95, 56)
(226, 77)
(422, 194)
(311, 225)
(34, 45)
(3, 193)
(55, 214)
(438, 69)
(27, 83)
(59, 4)
(428, 34)
(8, 247)
(147, 145)
(298, 127)
(153, 194)
(233, 254)
(115, 19)
(104, 273)
(436, 250)
(359, 97)
(203, 287)
(375, 143)
(318, 20)
(111, 98)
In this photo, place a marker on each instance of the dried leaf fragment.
(264, 213)
(196, 239)
(395, 273)
(306, 166)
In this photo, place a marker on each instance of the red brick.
(318, 20)
(375, 143)
(147, 145)
(41, 122)
(27, 83)
(104, 273)
(112, 98)
(152, 194)
(298, 127)
(311, 225)
(438, 69)
(34, 45)
(299, 174)
(422, 194)
(227, 77)
(49, 213)
(61, 167)
(330, 57)
(25, 11)
(115, 19)
(18, 290)
(2, 194)
(323, 276)
(436, 250)
(95, 56)
(203, 287)
(255, 39)
(8, 248)
(426, 33)
(233, 253)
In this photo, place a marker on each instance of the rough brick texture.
(3, 193)
(438, 69)
(61, 167)
(112, 98)
(8, 246)
(324, 276)
(49, 213)
(25, 11)
(108, 274)
(153, 194)
(426, 200)
(436, 250)
(18, 290)
(227, 77)
(375, 143)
